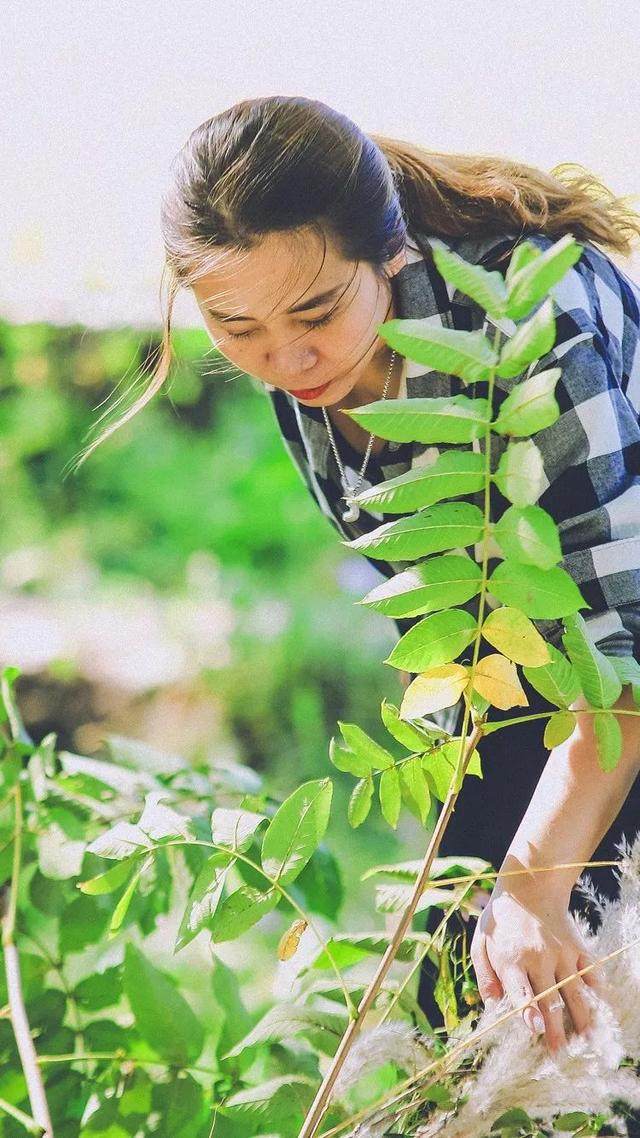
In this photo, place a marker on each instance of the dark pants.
(489, 810)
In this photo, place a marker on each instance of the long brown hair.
(280, 163)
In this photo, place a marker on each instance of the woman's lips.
(309, 392)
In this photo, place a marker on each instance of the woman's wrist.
(534, 884)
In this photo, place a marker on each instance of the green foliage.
(218, 858)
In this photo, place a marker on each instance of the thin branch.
(19, 1020)
(25, 1120)
(319, 1106)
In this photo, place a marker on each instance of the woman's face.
(297, 318)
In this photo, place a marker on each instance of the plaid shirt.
(590, 455)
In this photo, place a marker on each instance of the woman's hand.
(524, 942)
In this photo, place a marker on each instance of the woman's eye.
(310, 324)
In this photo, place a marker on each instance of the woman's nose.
(288, 361)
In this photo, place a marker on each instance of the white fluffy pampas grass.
(512, 1069)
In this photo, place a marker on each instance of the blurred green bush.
(201, 468)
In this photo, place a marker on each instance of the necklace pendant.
(352, 513)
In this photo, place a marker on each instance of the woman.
(298, 236)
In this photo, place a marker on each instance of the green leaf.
(440, 767)
(10, 771)
(111, 880)
(533, 280)
(445, 526)
(100, 990)
(451, 866)
(608, 735)
(82, 923)
(405, 733)
(556, 681)
(58, 857)
(348, 761)
(365, 747)
(516, 1117)
(444, 990)
(48, 896)
(415, 786)
(288, 1021)
(539, 593)
(440, 582)
(520, 473)
(282, 1097)
(468, 355)
(573, 1120)
(453, 473)
(180, 1104)
(524, 254)
(235, 828)
(240, 911)
(360, 801)
(120, 911)
(558, 728)
(82, 786)
(531, 406)
(390, 797)
(442, 419)
(136, 1097)
(596, 674)
(320, 884)
(297, 829)
(628, 671)
(532, 340)
(121, 841)
(163, 1017)
(235, 1020)
(434, 640)
(204, 898)
(158, 821)
(349, 948)
(487, 288)
(529, 534)
(141, 756)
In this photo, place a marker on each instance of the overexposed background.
(100, 96)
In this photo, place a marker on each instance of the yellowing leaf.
(291, 939)
(430, 691)
(516, 637)
(496, 678)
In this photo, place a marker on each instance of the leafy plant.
(101, 852)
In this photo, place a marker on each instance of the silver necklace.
(352, 513)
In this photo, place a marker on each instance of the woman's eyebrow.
(313, 302)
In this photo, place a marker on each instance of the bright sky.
(101, 95)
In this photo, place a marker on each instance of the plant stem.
(19, 1021)
(122, 1057)
(421, 953)
(25, 1120)
(319, 1106)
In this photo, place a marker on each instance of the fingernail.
(537, 1022)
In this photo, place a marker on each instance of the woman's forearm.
(574, 804)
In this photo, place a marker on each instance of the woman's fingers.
(574, 996)
(552, 1008)
(519, 989)
(594, 978)
(487, 979)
